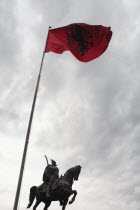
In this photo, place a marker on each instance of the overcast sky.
(86, 113)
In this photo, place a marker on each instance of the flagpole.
(28, 133)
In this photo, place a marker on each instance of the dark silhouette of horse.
(60, 191)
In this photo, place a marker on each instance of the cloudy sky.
(86, 113)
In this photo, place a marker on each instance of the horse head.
(74, 172)
(77, 170)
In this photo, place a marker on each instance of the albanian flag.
(85, 42)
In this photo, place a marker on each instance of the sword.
(46, 160)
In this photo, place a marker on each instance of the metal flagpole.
(28, 134)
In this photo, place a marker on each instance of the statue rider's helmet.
(53, 162)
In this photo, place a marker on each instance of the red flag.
(85, 42)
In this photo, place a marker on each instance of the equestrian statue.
(55, 188)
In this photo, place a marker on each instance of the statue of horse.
(60, 191)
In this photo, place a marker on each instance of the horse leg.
(47, 205)
(36, 204)
(61, 202)
(73, 198)
(64, 204)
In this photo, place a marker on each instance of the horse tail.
(32, 196)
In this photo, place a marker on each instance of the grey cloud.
(85, 114)
(8, 31)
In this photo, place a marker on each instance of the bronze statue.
(51, 174)
(60, 189)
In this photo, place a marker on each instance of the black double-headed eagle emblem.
(79, 38)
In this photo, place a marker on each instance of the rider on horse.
(51, 174)
(61, 190)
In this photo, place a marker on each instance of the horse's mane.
(78, 168)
